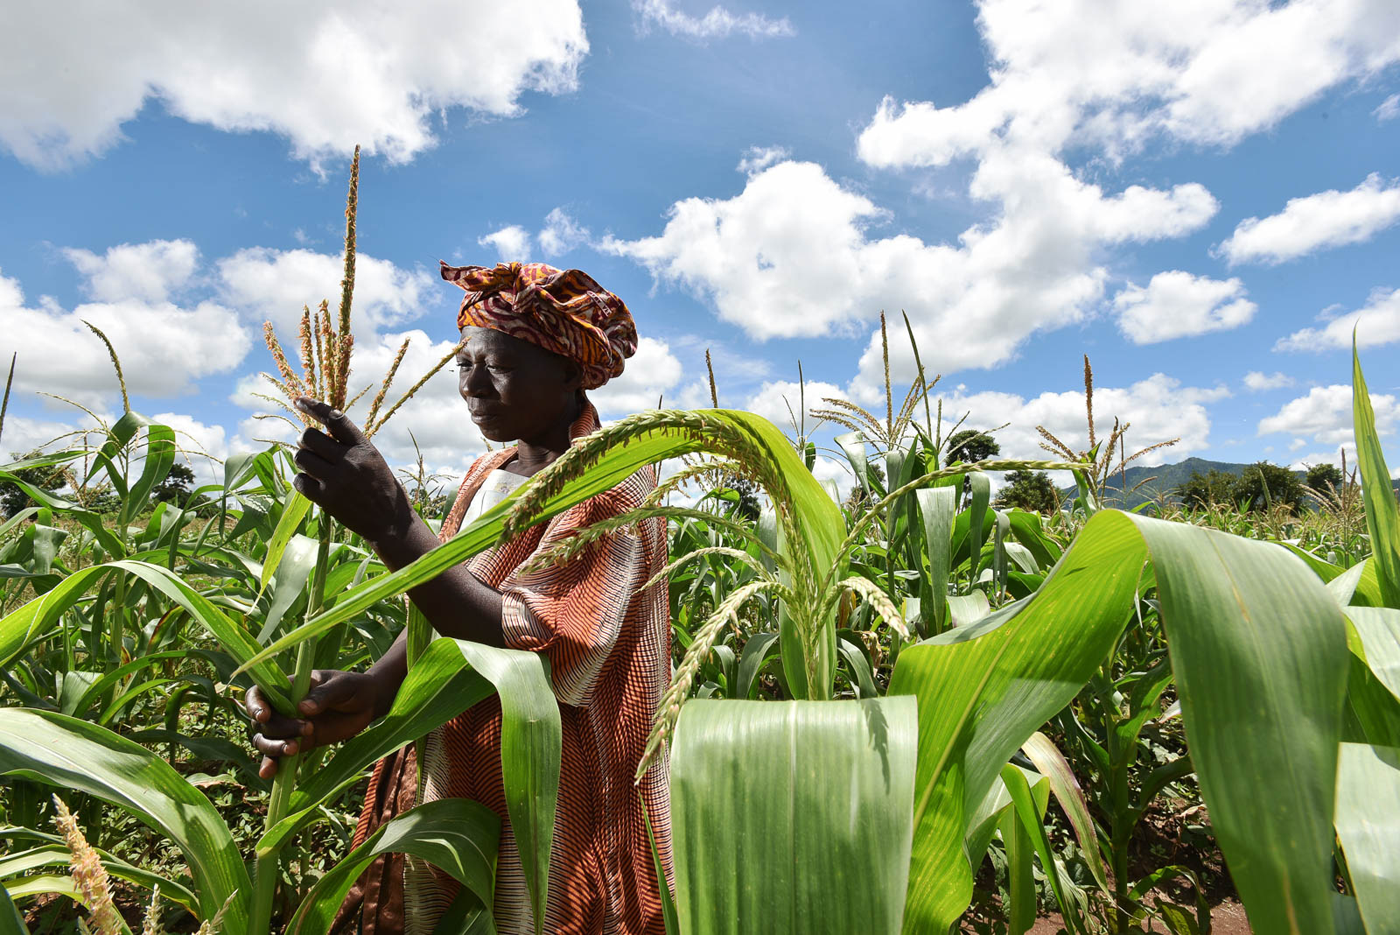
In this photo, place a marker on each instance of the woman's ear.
(573, 375)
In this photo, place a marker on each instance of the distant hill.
(1166, 477)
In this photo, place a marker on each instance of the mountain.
(1164, 478)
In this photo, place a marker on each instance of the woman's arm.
(345, 475)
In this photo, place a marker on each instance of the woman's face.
(515, 389)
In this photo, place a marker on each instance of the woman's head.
(515, 389)
(537, 336)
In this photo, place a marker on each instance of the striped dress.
(609, 656)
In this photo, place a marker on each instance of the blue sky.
(1203, 199)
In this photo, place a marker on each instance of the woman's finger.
(322, 444)
(276, 746)
(281, 728)
(336, 422)
(328, 692)
(312, 463)
(257, 707)
(309, 487)
(267, 768)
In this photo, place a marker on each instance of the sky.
(1203, 197)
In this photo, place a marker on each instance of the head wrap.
(563, 311)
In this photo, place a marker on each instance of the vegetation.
(990, 712)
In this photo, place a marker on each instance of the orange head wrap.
(563, 311)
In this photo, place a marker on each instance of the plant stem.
(266, 865)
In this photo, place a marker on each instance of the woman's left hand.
(345, 475)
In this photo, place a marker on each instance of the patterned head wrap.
(563, 311)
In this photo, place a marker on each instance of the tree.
(1324, 477)
(176, 486)
(1281, 484)
(748, 505)
(1202, 490)
(1029, 490)
(13, 498)
(971, 445)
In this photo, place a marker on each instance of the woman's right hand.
(338, 706)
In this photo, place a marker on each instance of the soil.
(1226, 918)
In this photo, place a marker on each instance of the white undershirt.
(498, 485)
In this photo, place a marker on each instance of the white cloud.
(163, 347)
(204, 446)
(1159, 408)
(1257, 382)
(718, 23)
(512, 243)
(1176, 304)
(1327, 219)
(561, 233)
(649, 374)
(758, 158)
(274, 285)
(1325, 416)
(149, 271)
(1389, 109)
(781, 401)
(790, 256)
(1209, 71)
(1376, 323)
(325, 75)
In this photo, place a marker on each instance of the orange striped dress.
(610, 660)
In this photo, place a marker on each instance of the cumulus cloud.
(758, 158)
(561, 233)
(273, 285)
(1324, 415)
(650, 373)
(164, 348)
(511, 243)
(325, 75)
(780, 401)
(1159, 408)
(718, 23)
(791, 256)
(1327, 219)
(1176, 304)
(148, 272)
(1204, 73)
(1257, 382)
(1376, 323)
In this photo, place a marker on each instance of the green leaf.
(56, 854)
(1052, 765)
(77, 755)
(1031, 813)
(1020, 870)
(938, 507)
(1251, 629)
(458, 836)
(1368, 827)
(980, 486)
(294, 567)
(450, 677)
(774, 803)
(1382, 511)
(293, 512)
(11, 923)
(159, 457)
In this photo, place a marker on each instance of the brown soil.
(1226, 918)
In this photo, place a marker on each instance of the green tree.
(1201, 490)
(971, 445)
(176, 486)
(1324, 477)
(1029, 490)
(13, 498)
(1263, 484)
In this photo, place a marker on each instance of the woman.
(538, 338)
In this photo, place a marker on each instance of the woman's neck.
(536, 454)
